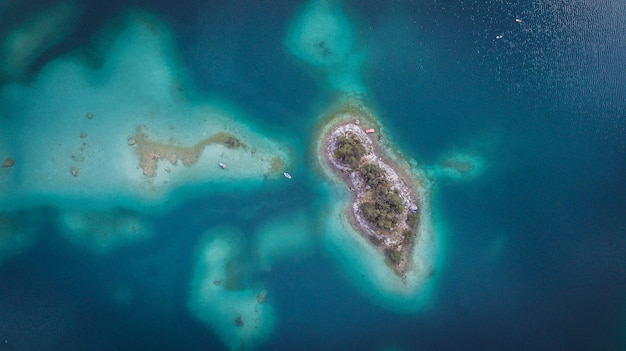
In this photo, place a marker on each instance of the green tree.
(373, 175)
(349, 151)
(413, 219)
(394, 256)
(408, 237)
(369, 211)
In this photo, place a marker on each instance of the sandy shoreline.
(411, 192)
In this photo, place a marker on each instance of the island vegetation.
(384, 209)
(384, 206)
(349, 151)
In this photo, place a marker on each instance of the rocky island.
(385, 203)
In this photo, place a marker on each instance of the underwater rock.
(238, 321)
(323, 36)
(260, 298)
(8, 162)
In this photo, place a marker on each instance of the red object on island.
(370, 131)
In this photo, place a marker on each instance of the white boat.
(287, 175)
(222, 165)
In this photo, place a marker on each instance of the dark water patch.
(60, 297)
(244, 65)
(243, 209)
(318, 309)
(427, 83)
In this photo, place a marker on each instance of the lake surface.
(535, 245)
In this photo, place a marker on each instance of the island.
(385, 204)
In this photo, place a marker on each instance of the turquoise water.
(531, 251)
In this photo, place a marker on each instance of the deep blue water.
(536, 246)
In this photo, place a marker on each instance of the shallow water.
(532, 248)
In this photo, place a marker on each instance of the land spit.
(150, 152)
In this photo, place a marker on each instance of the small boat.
(222, 165)
(369, 131)
(287, 175)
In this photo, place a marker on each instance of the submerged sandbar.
(386, 197)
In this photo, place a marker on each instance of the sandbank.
(458, 166)
(103, 231)
(126, 133)
(222, 297)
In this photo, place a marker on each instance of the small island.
(385, 204)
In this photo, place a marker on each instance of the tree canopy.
(349, 151)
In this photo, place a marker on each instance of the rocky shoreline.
(396, 242)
